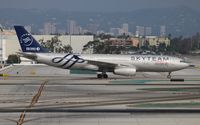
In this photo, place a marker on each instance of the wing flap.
(102, 64)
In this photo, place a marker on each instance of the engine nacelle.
(125, 71)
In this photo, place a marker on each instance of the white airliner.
(126, 65)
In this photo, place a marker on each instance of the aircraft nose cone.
(185, 65)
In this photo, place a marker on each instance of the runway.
(103, 119)
(82, 99)
(67, 101)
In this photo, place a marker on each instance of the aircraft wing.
(106, 65)
(102, 64)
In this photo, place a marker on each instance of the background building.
(163, 30)
(49, 28)
(155, 41)
(135, 42)
(148, 31)
(115, 31)
(125, 28)
(140, 31)
(10, 44)
(73, 28)
(28, 28)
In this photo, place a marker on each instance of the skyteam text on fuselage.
(126, 65)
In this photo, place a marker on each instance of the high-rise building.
(115, 31)
(140, 31)
(125, 28)
(73, 28)
(49, 28)
(163, 30)
(148, 31)
(93, 27)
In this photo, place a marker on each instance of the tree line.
(55, 45)
(182, 45)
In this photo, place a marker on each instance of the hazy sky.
(98, 5)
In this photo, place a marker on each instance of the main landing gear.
(169, 75)
(103, 75)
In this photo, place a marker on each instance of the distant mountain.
(178, 21)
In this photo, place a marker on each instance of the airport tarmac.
(148, 98)
(103, 119)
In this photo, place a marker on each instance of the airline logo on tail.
(27, 42)
(26, 39)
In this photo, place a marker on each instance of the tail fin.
(27, 42)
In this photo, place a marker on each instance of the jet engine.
(125, 71)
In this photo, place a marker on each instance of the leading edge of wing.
(102, 64)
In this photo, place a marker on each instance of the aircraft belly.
(152, 68)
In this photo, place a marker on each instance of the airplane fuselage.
(142, 63)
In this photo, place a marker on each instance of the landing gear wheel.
(99, 76)
(105, 76)
(169, 75)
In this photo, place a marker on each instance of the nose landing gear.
(169, 75)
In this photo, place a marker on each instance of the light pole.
(1, 29)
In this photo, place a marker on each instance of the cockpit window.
(184, 60)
